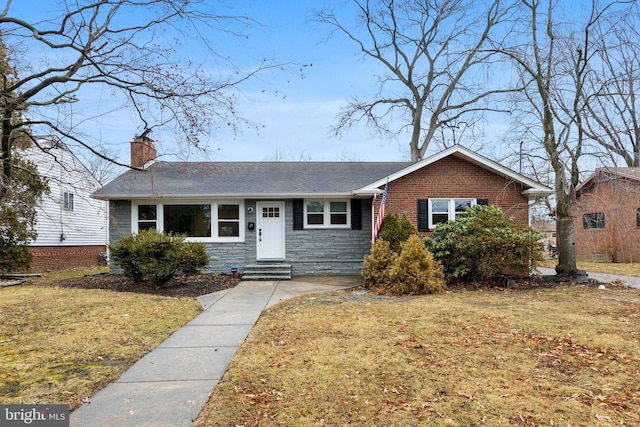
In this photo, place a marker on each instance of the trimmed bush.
(414, 271)
(396, 231)
(483, 244)
(157, 255)
(376, 270)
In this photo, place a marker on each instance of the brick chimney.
(142, 151)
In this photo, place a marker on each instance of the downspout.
(373, 214)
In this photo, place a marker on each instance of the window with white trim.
(215, 221)
(147, 218)
(443, 210)
(67, 200)
(327, 214)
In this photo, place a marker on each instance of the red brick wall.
(64, 257)
(142, 151)
(620, 239)
(452, 177)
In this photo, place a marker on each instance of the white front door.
(270, 230)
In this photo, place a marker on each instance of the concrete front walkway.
(170, 385)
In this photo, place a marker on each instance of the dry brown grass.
(62, 345)
(626, 269)
(561, 356)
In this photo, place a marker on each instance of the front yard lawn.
(565, 355)
(61, 345)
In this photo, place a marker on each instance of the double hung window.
(326, 213)
(443, 210)
(67, 200)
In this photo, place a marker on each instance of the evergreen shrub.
(483, 243)
(376, 270)
(157, 255)
(414, 271)
(396, 231)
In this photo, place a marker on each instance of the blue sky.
(295, 113)
(297, 120)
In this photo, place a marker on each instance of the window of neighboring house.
(197, 220)
(593, 220)
(638, 217)
(326, 213)
(443, 210)
(67, 200)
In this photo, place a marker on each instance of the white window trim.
(451, 205)
(68, 200)
(214, 217)
(327, 214)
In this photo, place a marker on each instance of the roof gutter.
(259, 196)
(537, 192)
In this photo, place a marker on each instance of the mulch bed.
(202, 284)
(531, 282)
(180, 286)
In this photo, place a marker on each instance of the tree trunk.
(566, 250)
(565, 196)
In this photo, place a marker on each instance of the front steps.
(267, 271)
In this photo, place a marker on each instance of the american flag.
(383, 205)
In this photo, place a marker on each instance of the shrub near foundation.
(414, 271)
(483, 243)
(396, 231)
(157, 255)
(376, 270)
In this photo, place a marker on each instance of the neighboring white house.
(71, 226)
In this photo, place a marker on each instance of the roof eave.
(258, 196)
(467, 155)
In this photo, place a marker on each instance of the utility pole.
(520, 170)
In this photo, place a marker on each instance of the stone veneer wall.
(310, 252)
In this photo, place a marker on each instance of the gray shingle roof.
(247, 179)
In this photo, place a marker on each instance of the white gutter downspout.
(373, 214)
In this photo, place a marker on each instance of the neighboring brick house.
(71, 225)
(607, 216)
(307, 217)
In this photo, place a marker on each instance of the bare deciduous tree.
(554, 64)
(129, 50)
(612, 116)
(438, 68)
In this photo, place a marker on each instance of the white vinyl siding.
(68, 208)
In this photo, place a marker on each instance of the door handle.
(260, 235)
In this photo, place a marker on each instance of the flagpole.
(381, 211)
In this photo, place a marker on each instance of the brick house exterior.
(455, 177)
(317, 217)
(607, 216)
